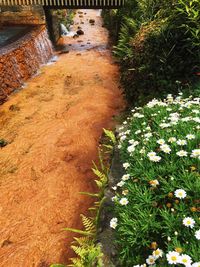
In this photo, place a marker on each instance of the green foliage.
(88, 252)
(190, 9)
(90, 255)
(110, 135)
(153, 217)
(65, 16)
(157, 45)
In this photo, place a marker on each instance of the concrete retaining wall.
(21, 59)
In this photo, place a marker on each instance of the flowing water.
(24, 50)
(53, 127)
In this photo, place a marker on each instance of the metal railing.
(66, 3)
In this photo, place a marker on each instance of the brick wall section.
(21, 59)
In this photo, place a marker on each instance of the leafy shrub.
(159, 47)
(190, 10)
(157, 202)
(160, 57)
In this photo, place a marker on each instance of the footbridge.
(69, 4)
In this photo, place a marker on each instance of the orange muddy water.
(53, 127)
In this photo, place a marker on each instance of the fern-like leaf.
(110, 135)
(88, 224)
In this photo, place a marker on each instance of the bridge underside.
(68, 4)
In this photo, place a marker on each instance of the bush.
(160, 57)
(157, 202)
(158, 44)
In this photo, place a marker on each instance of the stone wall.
(33, 15)
(21, 59)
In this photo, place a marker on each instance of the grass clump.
(157, 202)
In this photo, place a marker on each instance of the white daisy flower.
(185, 259)
(123, 201)
(164, 125)
(138, 132)
(197, 234)
(186, 119)
(126, 177)
(181, 142)
(188, 222)
(173, 123)
(152, 103)
(182, 153)
(150, 260)
(114, 198)
(161, 141)
(122, 138)
(196, 264)
(120, 184)
(172, 257)
(151, 154)
(180, 193)
(148, 135)
(128, 132)
(131, 148)
(158, 253)
(165, 148)
(172, 139)
(126, 165)
(196, 119)
(134, 143)
(138, 115)
(196, 111)
(190, 136)
(142, 151)
(113, 223)
(155, 158)
(195, 153)
(175, 114)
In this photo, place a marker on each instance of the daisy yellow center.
(174, 258)
(188, 222)
(151, 260)
(184, 260)
(157, 252)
